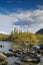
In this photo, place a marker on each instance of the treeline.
(30, 38)
(19, 37)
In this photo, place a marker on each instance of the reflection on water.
(11, 60)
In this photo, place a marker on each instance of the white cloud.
(33, 20)
(29, 16)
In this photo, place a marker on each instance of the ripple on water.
(11, 60)
(41, 62)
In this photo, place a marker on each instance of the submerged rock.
(20, 63)
(8, 54)
(2, 46)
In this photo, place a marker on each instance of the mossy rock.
(2, 58)
(6, 63)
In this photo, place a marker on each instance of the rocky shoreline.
(25, 55)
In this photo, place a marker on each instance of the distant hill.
(3, 33)
(40, 31)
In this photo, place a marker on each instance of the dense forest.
(19, 37)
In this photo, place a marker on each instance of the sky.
(25, 15)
